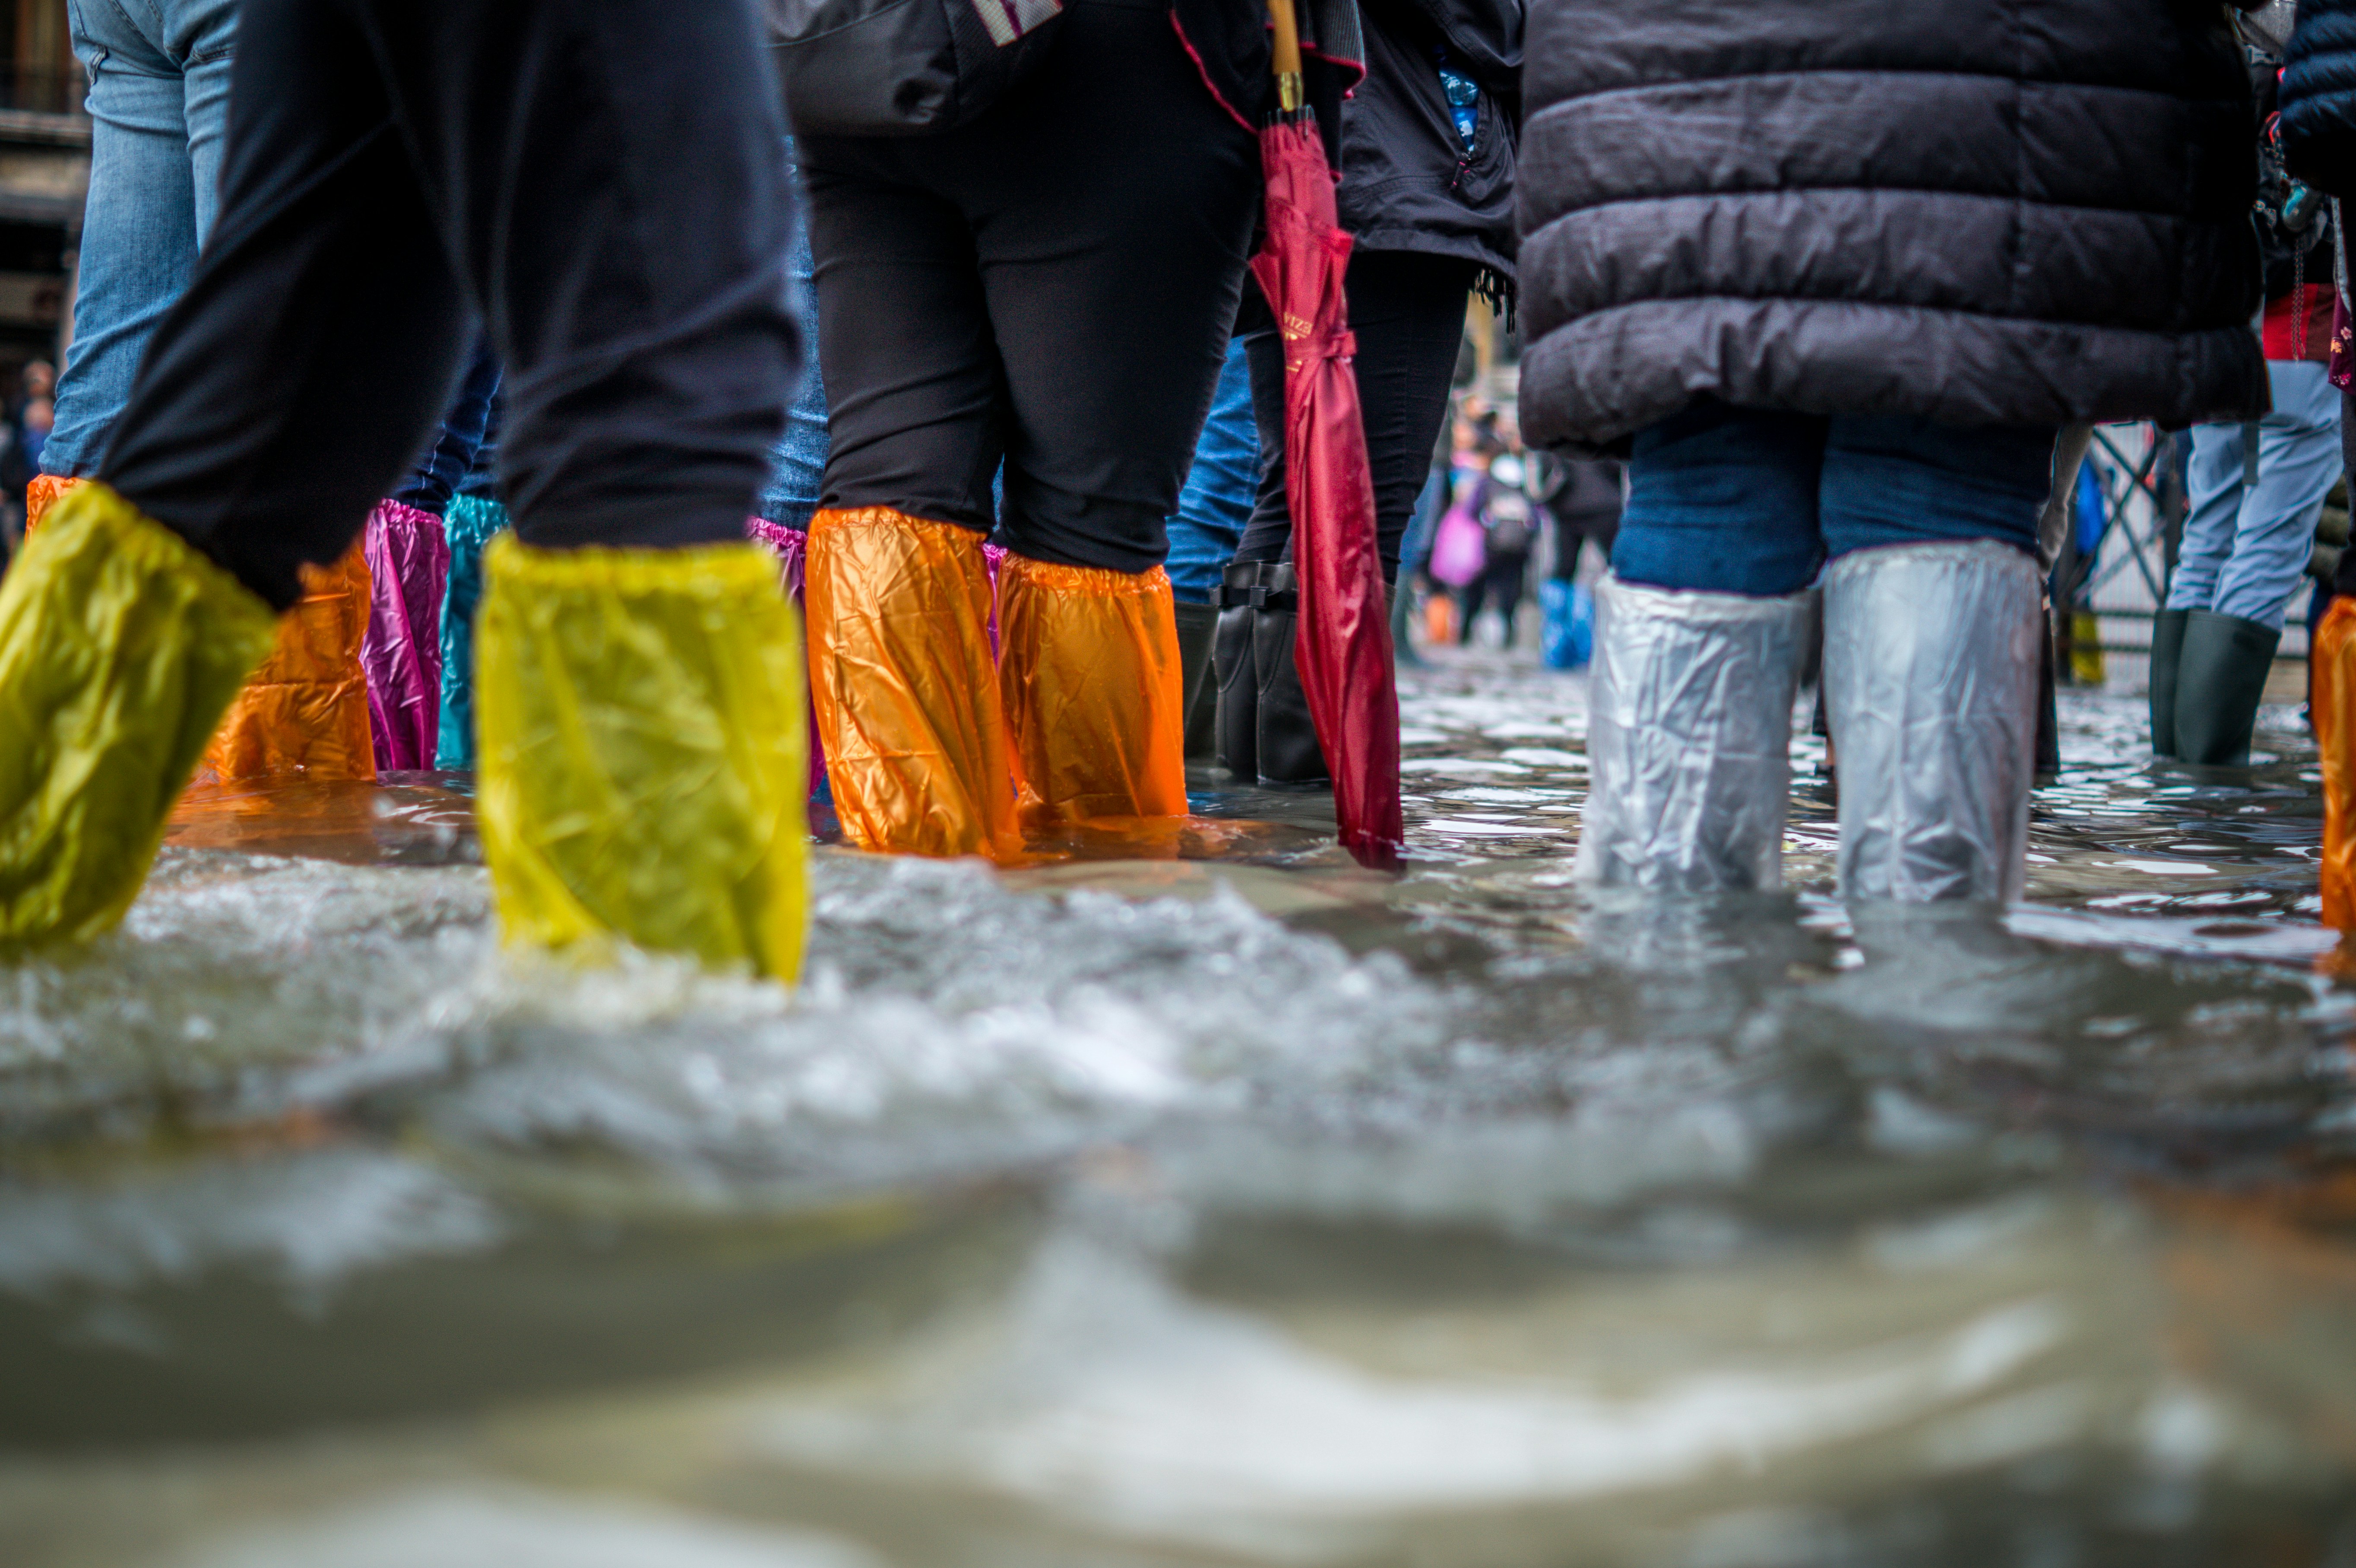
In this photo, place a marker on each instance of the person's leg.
(1213, 509)
(1222, 481)
(1472, 599)
(2228, 645)
(900, 597)
(139, 227)
(2213, 478)
(302, 371)
(115, 713)
(609, 178)
(1698, 636)
(1509, 577)
(1407, 312)
(2274, 533)
(1113, 257)
(1932, 629)
(797, 464)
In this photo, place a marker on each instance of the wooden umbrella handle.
(1288, 54)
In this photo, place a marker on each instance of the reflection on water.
(1196, 1196)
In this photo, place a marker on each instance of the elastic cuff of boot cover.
(409, 573)
(2334, 658)
(1931, 668)
(643, 766)
(790, 545)
(906, 686)
(44, 492)
(1688, 735)
(306, 710)
(120, 646)
(1094, 691)
(471, 520)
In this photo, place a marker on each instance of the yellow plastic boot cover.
(120, 647)
(306, 710)
(1095, 692)
(642, 752)
(906, 690)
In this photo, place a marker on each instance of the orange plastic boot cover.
(46, 491)
(1094, 690)
(905, 688)
(306, 710)
(2335, 732)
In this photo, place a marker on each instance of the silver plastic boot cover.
(1931, 668)
(1688, 738)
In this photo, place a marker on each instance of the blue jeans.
(1730, 500)
(798, 463)
(458, 446)
(2246, 547)
(158, 103)
(1221, 486)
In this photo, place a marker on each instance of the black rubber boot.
(1198, 626)
(2167, 655)
(1289, 754)
(2048, 705)
(1234, 725)
(2221, 676)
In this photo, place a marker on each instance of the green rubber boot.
(2167, 653)
(2220, 679)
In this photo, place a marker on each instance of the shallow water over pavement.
(1203, 1200)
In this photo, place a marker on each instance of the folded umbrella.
(1342, 639)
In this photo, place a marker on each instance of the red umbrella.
(1342, 640)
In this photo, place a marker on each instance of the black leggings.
(601, 183)
(1406, 310)
(1050, 287)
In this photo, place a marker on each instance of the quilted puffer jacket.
(2019, 212)
(2319, 97)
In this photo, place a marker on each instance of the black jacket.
(1407, 181)
(2318, 98)
(2024, 212)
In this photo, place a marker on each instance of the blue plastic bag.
(1567, 623)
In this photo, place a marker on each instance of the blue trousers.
(159, 109)
(798, 463)
(2246, 547)
(1729, 500)
(1221, 486)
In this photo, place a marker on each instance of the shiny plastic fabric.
(120, 646)
(791, 547)
(466, 527)
(1931, 685)
(907, 692)
(307, 708)
(2334, 707)
(1343, 638)
(642, 770)
(43, 494)
(409, 569)
(1688, 738)
(1094, 692)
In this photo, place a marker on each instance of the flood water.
(1211, 1203)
